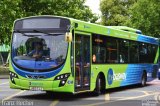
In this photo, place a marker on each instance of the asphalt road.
(124, 96)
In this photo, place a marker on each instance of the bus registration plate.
(35, 88)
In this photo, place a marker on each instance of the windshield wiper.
(20, 32)
(51, 34)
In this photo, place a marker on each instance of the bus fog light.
(63, 82)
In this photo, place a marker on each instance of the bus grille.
(35, 76)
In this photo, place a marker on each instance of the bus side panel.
(134, 73)
(123, 74)
(114, 74)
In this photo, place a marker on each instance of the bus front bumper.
(41, 85)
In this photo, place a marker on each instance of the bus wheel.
(49, 93)
(144, 79)
(97, 90)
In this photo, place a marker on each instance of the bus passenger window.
(123, 51)
(134, 52)
(112, 47)
(99, 49)
(143, 53)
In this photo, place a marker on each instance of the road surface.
(124, 96)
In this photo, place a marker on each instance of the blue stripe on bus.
(148, 39)
(134, 73)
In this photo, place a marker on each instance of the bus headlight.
(63, 78)
(12, 76)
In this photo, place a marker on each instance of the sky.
(94, 5)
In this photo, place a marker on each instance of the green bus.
(60, 54)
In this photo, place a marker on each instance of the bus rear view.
(39, 52)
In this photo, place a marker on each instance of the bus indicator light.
(70, 82)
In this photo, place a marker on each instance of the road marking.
(107, 97)
(7, 90)
(4, 83)
(128, 98)
(157, 98)
(54, 103)
(145, 92)
(9, 97)
(118, 97)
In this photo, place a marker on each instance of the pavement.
(124, 96)
(4, 76)
(4, 73)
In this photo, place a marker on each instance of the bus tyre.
(144, 79)
(97, 90)
(49, 93)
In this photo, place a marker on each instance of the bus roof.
(114, 31)
(125, 28)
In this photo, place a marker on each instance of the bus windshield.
(38, 50)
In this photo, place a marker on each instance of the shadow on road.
(125, 88)
(56, 96)
(70, 97)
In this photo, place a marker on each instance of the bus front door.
(82, 62)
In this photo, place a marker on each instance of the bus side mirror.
(68, 37)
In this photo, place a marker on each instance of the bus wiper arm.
(20, 32)
(52, 34)
(24, 33)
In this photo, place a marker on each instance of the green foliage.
(145, 15)
(10, 10)
(8, 13)
(115, 12)
(139, 14)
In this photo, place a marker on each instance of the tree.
(115, 12)
(8, 13)
(10, 10)
(145, 15)
(69, 8)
